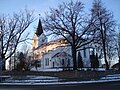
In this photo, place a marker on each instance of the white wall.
(68, 50)
(50, 54)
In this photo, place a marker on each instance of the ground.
(92, 86)
(78, 75)
(72, 80)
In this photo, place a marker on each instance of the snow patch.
(48, 70)
(109, 77)
(46, 80)
(61, 83)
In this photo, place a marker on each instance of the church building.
(56, 53)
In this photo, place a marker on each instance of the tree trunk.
(74, 58)
(3, 62)
(103, 33)
(104, 50)
(2, 54)
(119, 63)
(3, 67)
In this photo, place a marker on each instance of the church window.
(39, 64)
(43, 40)
(63, 62)
(84, 52)
(35, 41)
(47, 61)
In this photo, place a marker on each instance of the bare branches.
(70, 22)
(14, 27)
(67, 20)
(105, 28)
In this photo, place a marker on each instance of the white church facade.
(56, 53)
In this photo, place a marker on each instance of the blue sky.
(41, 6)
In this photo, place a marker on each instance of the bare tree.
(28, 55)
(12, 29)
(70, 22)
(111, 48)
(104, 25)
(118, 45)
(119, 49)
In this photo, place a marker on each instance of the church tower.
(39, 37)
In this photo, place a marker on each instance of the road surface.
(93, 86)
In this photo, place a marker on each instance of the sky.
(42, 6)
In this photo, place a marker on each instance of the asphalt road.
(93, 86)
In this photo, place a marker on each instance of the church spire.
(39, 30)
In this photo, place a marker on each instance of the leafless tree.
(105, 26)
(111, 49)
(118, 45)
(70, 22)
(12, 29)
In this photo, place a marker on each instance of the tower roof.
(39, 30)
